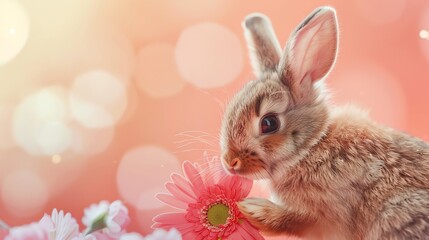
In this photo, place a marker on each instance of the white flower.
(110, 219)
(27, 232)
(94, 212)
(161, 234)
(60, 226)
(117, 218)
(131, 236)
(85, 237)
(158, 234)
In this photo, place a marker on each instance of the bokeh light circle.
(6, 115)
(424, 33)
(157, 73)
(14, 27)
(209, 55)
(24, 193)
(35, 114)
(382, 11)
(142, 173)
(372, 88)
(90, 141)
(98, 99)
(54, 137)
(56, 159)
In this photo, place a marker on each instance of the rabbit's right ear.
(264, 48)
(310, 52)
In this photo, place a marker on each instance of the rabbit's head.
(276, 118)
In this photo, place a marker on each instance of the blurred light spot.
(56, 159)
(147, 198)
(98, 99)
(90, 141)
(374, 89)
(132, 104)
(382, 11)
(197, 9)
(54, 137)
(424, 23)
(140, 176)
(6, 136)
(34, 115)
(424, 34)
(208, 55)
(14, 29)
(157, 71)
(24, 193)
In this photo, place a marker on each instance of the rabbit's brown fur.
(335, 174)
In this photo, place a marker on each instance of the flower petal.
(46, 222)
(238, 187)
(246, 187)
(161, 234)
(194, 177)
(183, 184)
(94, 211)
(132, 236)
(237, 236)
(212, 174)
(173, 234)
(25, 232)
(64, 226)
(182, 228)
(117, 218)
(171, 201)
(178, 193)
(246, 228)
(190, 235)
(229, 183)
(171, 218)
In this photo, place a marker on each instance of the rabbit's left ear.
(264, 48)
(311, 51)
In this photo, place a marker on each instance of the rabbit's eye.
(270, 124)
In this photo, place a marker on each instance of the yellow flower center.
(218, 214)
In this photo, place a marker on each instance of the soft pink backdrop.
(104, 99)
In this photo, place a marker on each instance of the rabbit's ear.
(311, 51)
(264, 48)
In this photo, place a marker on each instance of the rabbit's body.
(359, 181)
(335, 174)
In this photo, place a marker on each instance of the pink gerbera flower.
(208, 203)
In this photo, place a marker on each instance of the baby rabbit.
(334, 173)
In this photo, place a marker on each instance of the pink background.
(104, 99)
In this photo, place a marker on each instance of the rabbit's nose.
(235, 163)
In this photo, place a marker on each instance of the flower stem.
(98, 224)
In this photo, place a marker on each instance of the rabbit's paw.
(260, 212)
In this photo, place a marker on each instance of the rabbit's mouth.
(245, 163)
(253, 172)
